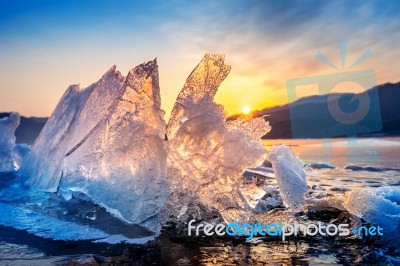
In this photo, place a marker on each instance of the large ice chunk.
(122, 163)
(107, 141)
(76, 115)
(290, 175)
(207, 154)
(8, 125)
(378, 206)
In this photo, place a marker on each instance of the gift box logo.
(342, 103)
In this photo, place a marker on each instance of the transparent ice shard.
(107, 141)
(290, 175)
(75, 116)
(208, 155)
(122, 164)
(8, 125)
(110, 142)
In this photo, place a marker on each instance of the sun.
(246, 110)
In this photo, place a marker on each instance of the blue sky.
(47, 45)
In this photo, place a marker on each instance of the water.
(18, 247)
(379, 152)
(380, 155)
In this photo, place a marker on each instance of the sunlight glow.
(246, 110)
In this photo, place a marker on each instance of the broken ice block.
(8, 125)
(107, 141)
(208, 155)
(290, 175)
(122, 163)
(378, 206)
(77, 114)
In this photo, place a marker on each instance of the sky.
(47, 45)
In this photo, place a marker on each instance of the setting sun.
(246, 110)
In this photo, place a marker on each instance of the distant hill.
(29, 128)
(279, 117)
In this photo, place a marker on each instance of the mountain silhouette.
(279, 116)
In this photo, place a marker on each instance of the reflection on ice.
(50, 216)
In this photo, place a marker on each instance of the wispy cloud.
(266, 42)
